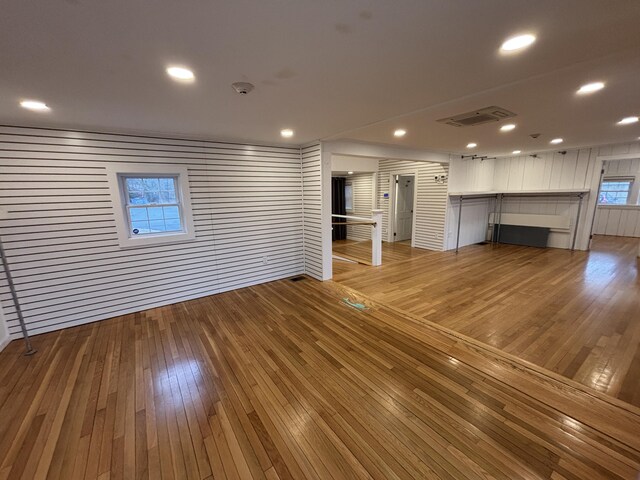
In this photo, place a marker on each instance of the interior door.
(405, 187)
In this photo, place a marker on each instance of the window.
(348, 197)
(615, 191)
(151, 204)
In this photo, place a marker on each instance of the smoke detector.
(243, 88)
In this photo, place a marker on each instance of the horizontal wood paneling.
(312, 209)
(60, 231)
(431, 199)
(363, 187)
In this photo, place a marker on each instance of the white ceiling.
(327, 69)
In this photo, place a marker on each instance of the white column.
(376, 238)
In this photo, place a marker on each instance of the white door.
(404, 207)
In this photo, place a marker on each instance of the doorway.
(404, 195)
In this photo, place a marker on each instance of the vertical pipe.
(499, 218)
(595, 207)
(459, 220)
(14, 294)
(575, 229)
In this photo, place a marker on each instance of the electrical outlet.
(265, 260)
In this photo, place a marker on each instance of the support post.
(459, 220)
(376, 238)
(5, 263)
(575, 229)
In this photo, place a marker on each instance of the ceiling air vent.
(478, 117)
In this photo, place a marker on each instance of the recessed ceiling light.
(556, 141)
(628, 120)
(508, 127)
(590, 88)
(518, 42)
(181, 73)
(34, 105)
(472, 145)
(286, 133)
(401, 132)
(350, 173)
(516, 152)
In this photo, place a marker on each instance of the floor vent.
(478, 117)
(297, 279)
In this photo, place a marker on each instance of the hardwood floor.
(288, 381)
(576, 314)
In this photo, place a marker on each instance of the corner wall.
(60, 232)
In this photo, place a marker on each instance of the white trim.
(119, 205)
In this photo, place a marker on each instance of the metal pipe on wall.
(7, 271)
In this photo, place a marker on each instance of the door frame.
(391, 211)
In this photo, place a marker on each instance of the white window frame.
(618, 179)
(116, 175)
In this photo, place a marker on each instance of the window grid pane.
(152, 205)
(614, 192)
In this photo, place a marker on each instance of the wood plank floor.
(576, 314)
(287, 381)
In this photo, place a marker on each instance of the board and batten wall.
(576, 169)
(430, 198)
(621, 220)
(466, 174)
(363, 201)
(60, 236)
(547, 171)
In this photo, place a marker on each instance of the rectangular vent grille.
(478, 117)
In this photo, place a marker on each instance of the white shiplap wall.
(312, 207)
(363, 200)
(60, 232)
(431, 199)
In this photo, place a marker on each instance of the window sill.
(150, 240)
(625, 207)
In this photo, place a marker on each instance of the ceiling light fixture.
(286, 133)
(472, 145)
(517, 43)
(401, 132)
(508, 127)
(516, 152)
(590, 88)
(34, 105)
(181, 73)
(628, 120)
(556, 141)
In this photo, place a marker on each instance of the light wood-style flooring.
(296, 380)
(576, 314)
